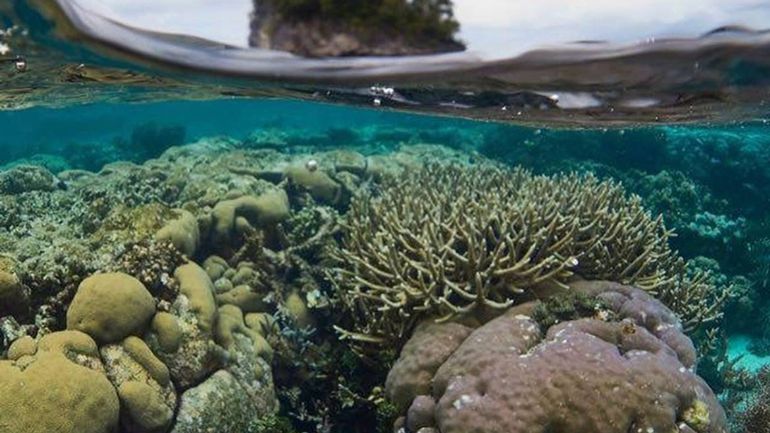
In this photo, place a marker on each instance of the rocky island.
(334, 28)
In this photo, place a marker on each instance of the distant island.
(334, 28)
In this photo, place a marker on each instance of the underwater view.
(392, 216)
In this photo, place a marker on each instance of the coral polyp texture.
(448, 240)
(633, 373)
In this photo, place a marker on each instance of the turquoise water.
(201, 238)
(66, 189)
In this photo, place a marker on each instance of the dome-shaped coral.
(632, 374)
(110, 307)
(57, 386)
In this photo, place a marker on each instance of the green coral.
(62, 378)
(271, 424)
(570, 305)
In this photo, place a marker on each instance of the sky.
(504, 26)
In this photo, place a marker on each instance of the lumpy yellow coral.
(60, 387)
(109, 307)
(697, 415)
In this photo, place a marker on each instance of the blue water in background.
(36, 130)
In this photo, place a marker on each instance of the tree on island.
(356, 27)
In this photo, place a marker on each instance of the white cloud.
(495, 27)
(515, 25)
(219, 20)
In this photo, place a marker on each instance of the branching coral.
(756, 416)
(448, 240)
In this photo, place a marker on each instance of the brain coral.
(449, 240)
(633, 374)
(57, 386)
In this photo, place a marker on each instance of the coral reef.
(449, 240)
(512, 375)
(194, 275)
(200, 290)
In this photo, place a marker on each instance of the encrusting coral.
(447, 240)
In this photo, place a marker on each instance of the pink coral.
(632, 374)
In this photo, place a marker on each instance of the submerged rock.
(220, 404)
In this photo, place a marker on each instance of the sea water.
(185, 252)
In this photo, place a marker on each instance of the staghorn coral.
(450, 240)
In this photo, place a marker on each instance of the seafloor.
(423, 280)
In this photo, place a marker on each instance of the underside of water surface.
(410, 236)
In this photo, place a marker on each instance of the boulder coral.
(110, 307)
(58, 385)
(632, 373)
(14, 298)
(234, 217)
(249, 357)
(143, 383)
(169, 334)
(315, 182)
(183, 337)
(182, 232)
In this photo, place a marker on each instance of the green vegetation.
(568, 306)
(271, 424)
(430, 19)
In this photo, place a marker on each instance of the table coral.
(634, 373)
